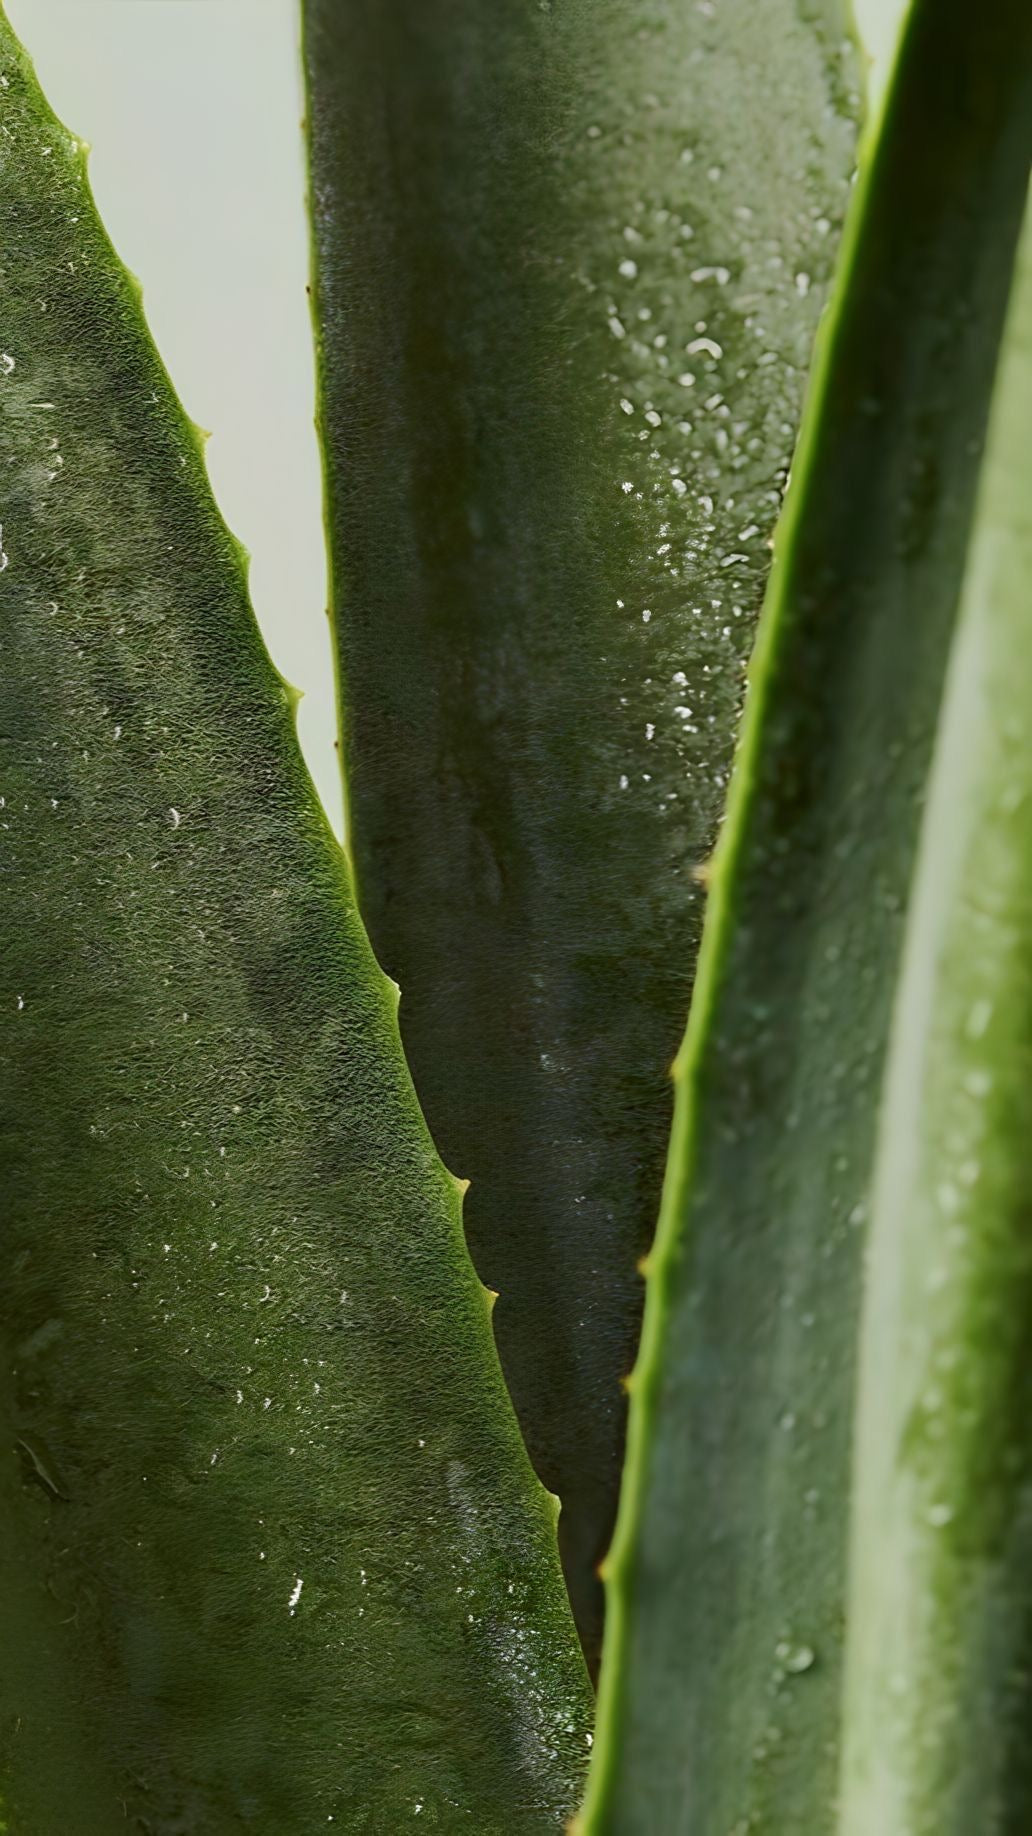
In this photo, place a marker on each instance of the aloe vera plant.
(570, 260)
(723, 1681)
(273, 1554)
(936, 1699)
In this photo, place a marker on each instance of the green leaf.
(271, 1553)
(721, 1686)
(570, 261)
(936, 1717)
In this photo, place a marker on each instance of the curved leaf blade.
(936, 1706)
(721, 1683)
(281, 1559)
(569, 263)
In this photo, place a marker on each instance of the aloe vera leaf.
(569, 263)
(719, 1704)
(291, 1568)
(938, 1652)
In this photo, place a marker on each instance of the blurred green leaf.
(940, 1641)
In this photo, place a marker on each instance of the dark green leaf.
(570, 259)
(722, 1685)
(271, 1554)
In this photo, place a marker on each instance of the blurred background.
(193, 110)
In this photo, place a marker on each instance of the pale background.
(193, 111)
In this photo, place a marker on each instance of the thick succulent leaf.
(570, 260)
(271, 1551)
(721, 1686)
(940, 1623)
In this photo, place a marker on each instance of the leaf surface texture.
(272, 1555)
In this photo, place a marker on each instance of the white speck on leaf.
(978, 1019)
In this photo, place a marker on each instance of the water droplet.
(795, 1658)
(295, 1595)
(979, 1016)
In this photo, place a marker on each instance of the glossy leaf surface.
(569, 263)
(722, 1683)
(272, 1557)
